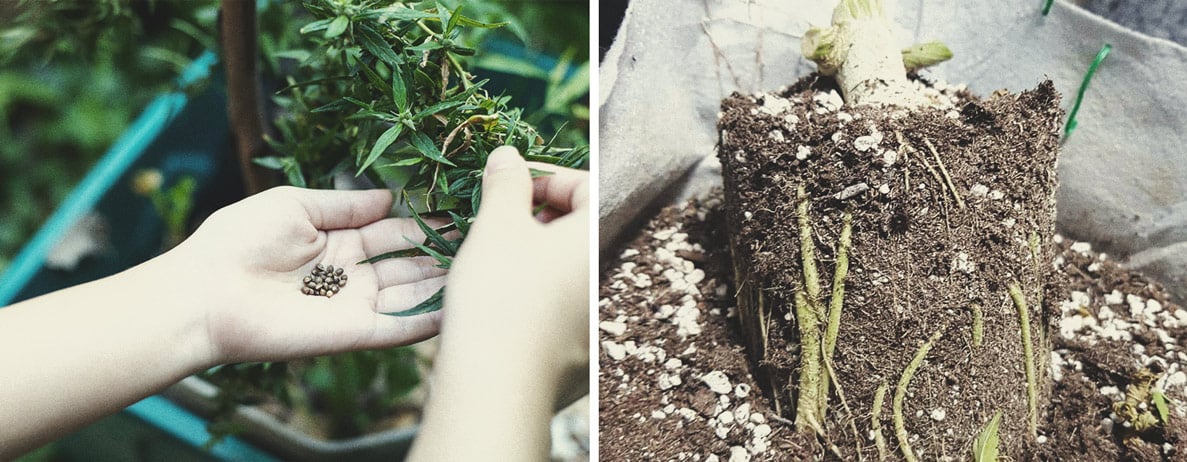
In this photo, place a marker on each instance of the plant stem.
(807, 247)
(838, 295)
(239, 31)
(1071, 118)
(1028, 358)
(900, 393)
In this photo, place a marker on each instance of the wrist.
(171, 298)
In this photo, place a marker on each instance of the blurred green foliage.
(73, 74)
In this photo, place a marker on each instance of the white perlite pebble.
(758, 418)
(802, 152)
(718, 382)
(658, 415)
(762, 431)
(712, 458)
(865, 143)
(889, 157)
(726, 417)
(776, 135)
(673, 363)
(742, 413)
(613, 328)
(938, 414)
(1082, 247)
(666, 381)
(614, 351)
(742, 390)
(979, 190)
(739, 454)
(884, 189)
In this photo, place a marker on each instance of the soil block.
(953, 215)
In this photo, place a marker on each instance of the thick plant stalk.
(239, 31)
(859, 49)
(836, 302)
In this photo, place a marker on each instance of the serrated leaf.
(430, 305)
(469, 22)
(436, 108)
(443, 260)
(376, 45)
(426, 146)
(985, 447)
(1160, 404)
(386, 139)
(399, 90)
(337, 27)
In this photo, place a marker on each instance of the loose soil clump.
(675, 382)
(952, 208)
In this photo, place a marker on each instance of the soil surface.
(675, 382)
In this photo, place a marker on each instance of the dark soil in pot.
(673, 361)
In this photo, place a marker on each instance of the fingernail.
(502, 158)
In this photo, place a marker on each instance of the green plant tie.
(1071, 118)
(1047, 7)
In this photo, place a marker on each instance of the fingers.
(565, 190)
(405, 296)
(388, 235)
(506, 184)
(400, 271)
(328, 209)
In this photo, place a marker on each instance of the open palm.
(249, 260)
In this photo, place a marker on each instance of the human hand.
(245, 264)
(519, 287)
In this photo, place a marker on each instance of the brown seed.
(305, 290)
(307, 279)
(342, 283)
(330, 269)
(334, 287)
(320, 267)
(338, 272)
(342, 277)
(321, 291)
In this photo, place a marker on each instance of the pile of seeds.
(324, 280)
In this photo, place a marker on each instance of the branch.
(239, 32)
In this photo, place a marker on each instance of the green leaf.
(405, 162)
(399, 90)
(406, 253)
(468, 22)
(454, 17)
(430, 305)
(376, 45)
(436, 108)
(537, 173)
(432, 235)
(426, 146)
(337, 27)
(386, 139)
(292, 170)
(1160, 404)
(315, 26)
(271, 162)
(985, 447)
(443, 260)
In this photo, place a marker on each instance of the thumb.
(506, 184)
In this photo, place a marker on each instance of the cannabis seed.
(329, 269)
(320, 267)
(307, 279)
(334, 287)
(338, 272)
(342, 278)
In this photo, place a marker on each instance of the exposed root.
(876, 421)
(944, 171)
(1032, 423)
(900, 393)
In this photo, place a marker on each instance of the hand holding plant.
(515, 342)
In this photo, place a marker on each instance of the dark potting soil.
(946, 201)
(675, 382)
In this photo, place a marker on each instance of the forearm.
(487, 404)
(73, 356)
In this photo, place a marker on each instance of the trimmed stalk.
(900, 394)
(807, 416)
(859, 49)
